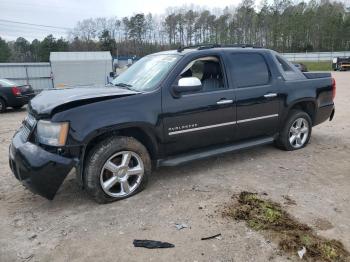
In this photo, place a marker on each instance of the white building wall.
(80, 68)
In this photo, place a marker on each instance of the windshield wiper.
(127, 86)
(124, 85)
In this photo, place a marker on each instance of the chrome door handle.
(270, 95)
(223, 102)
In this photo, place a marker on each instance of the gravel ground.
(74, 228)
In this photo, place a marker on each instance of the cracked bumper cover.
(40, 171)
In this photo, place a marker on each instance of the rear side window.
(249, 70)
(284, 64)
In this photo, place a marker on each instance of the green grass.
(317, 66)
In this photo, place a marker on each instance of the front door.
(202, 118)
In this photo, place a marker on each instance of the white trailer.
(80, 68)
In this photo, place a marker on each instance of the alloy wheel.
(121, 174)
(299, 132)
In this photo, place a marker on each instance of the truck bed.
(313, 75)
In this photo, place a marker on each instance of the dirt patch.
(323, 224)
(269, 217)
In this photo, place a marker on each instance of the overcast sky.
(65, 13)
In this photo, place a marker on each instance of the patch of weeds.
(306, 240)
(270, 218)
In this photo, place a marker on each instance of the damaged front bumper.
(40, 171)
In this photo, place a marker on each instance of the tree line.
(282, 25)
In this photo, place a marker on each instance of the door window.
(289, 71)
(284, 64)
(208, 70)
(249, 70)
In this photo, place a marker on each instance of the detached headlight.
(52, 134)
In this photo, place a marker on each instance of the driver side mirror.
(188, 84)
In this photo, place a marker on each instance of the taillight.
(16, 91)
(334, 88)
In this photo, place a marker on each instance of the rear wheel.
(296, 132)
(117, 168)
(2, 105)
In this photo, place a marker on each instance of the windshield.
(146, 73)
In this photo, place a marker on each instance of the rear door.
(257, 94)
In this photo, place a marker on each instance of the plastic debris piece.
(211, 237)
(180, 226)
(218, 237)
(151, 244)
(302, 252)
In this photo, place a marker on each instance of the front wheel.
(296, 132)
(117, 168)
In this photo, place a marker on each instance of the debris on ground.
(151, 244)
(25, 257)
(291, 236)
(181, 226)
(197, 189)
(289, 201)
(282, 167)
(301, 252)
(33, 237)
(217, 236)
(337, 210)
(201, 206)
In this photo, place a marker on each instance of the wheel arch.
(141, 133)
(5, 103)
(307, 105)
(3, 98)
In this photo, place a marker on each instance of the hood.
(48, 100)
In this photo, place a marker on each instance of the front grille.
(27, 127)
(25, 132)
(30, 120)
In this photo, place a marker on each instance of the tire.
(107, 162)
(296, 132)
(2, 105)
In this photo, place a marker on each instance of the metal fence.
(38, 75)
(315, 56)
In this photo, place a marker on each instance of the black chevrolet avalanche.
(167, 109)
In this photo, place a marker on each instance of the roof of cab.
(202, 48)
